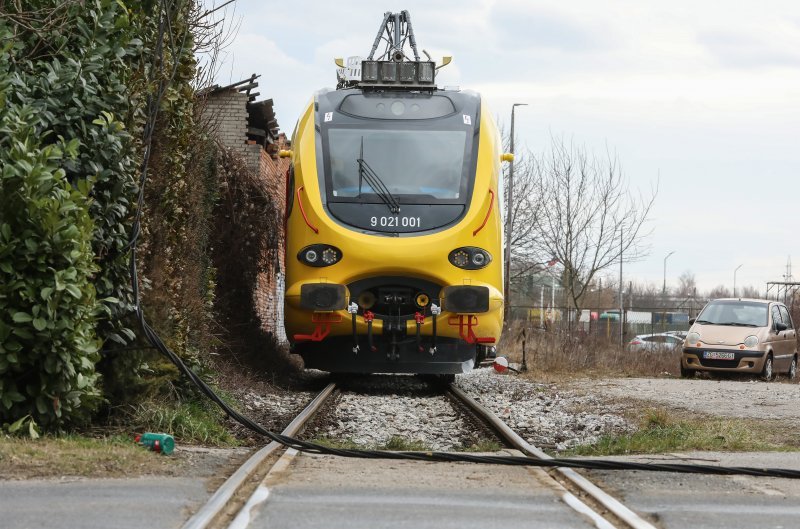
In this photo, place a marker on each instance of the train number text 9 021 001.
(395, 222)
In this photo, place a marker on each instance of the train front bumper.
(479, 307)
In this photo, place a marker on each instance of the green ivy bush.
(75, 77)
(68, 185)
(48, 308)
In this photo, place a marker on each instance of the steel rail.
(220, 499)
(614, 506)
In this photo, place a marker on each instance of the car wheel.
(792, 374)
(767, 373)
(686, 373)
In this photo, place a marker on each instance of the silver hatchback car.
(741, 335)
(662, 342)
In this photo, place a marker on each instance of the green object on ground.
(157, 442)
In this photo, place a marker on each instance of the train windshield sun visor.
(415, 166)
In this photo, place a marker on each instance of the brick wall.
(270, 289)
(226, 111)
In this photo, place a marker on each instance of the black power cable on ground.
(152, 337)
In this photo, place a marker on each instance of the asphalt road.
(328, 492)
(149, 502)
(694, 501)
(317, 491)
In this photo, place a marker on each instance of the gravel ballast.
(544, 415)
(376, 409)
(372, 410)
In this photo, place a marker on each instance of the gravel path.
(728, 398)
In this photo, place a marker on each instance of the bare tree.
(525, 254)
(644, 295)
(213, 30)
(719, 291)
(750, 291)
(687, 285)
(588, 218)
(527, 204)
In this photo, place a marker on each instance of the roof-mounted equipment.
(392, 68)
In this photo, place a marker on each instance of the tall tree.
(588, 218)
(525, 253)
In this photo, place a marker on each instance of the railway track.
(599, 503)
(241, 497)
(224, 498)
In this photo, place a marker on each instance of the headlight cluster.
(320, 255)
(692, 338)
(469, 258)
(751, 341)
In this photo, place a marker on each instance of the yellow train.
(394, 256)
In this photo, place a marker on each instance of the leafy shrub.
(48, 308)
(67, 193)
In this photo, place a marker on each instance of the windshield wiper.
(738, 324)
(701, 322)
(365, 172)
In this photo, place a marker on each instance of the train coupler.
(419, 318)
(435, 311)
(352, 308)
(368, 317)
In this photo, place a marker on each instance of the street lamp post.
(664, 287)
(734, 279)
(510, 207)
(664, 295)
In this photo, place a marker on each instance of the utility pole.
(509, 221)
(621, 304)
(664, 295)
(734, 278)
(664, 288)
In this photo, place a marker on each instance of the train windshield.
(409, 166)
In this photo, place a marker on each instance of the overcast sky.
(705, 93)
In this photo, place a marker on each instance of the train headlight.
(320, 255)
(469, 258)
(460, 258)
(329, 256)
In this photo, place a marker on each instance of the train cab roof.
(397, 105)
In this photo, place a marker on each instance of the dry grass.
(553, 357)
(79, 456)
(667, 430)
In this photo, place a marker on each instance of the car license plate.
(717, 355)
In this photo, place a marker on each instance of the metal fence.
(604, 324)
